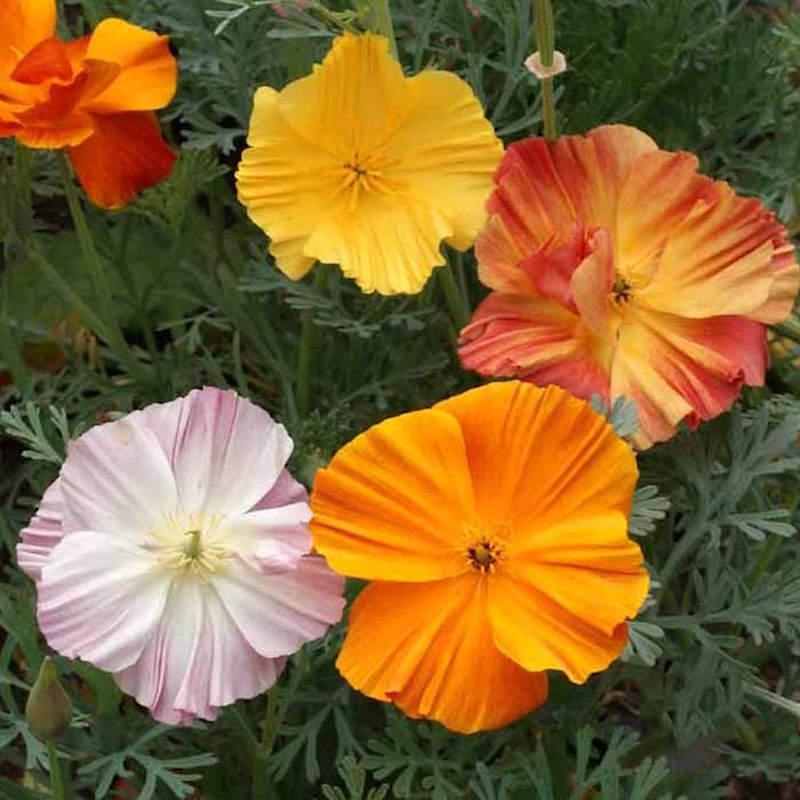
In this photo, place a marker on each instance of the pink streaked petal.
(43, 533)
(196, 661)
(100, 598)
(226, 453)
(276, 538)
(117, 480)
(685, 369)
(592, 282)
(537, 340)
(552, 266)
(285, 492)
(279, 613)
(499, 259)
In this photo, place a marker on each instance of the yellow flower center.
(190, 546)
(363, 174)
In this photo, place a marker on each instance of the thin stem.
(58, 781)
(109, 329)
(377, 17)
(545, 44)
(456, 302)
(308, 342)
(263, 788)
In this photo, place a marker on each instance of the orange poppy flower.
(494, 526)
(618, 270)
(95, 96)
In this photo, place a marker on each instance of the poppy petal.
(23, 24)
(587, 556)
(196, 660)
(447, 152)
(400, 490)
(575, 644)
(437, 659)
(676, 368)
(148, 71)
(513, 431)
(528, 337)
(279, 182)
(125, 155)
(721, 244)
(47, 61)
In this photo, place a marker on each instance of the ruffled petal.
(43, 533)
(679, 369)
(726, 256)
(352, 100)
(386, 244)
(100, 598)
(281, 183)
(429, 648)
(116, 479)
(196, 661)
(277, 613)
(392, 502)
(275, 538)
(148, 74)
(555, 638)
(225, 451)
(544, 187)
(285, 492)
(446, 152)
(125, 156)
(528, 337)
(540, 456)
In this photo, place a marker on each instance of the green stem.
(109, 329)
(308, 342)
(58, 780)
(681, 549)
(377, 16)
(545, 44)
(263, 788)
(456, 302)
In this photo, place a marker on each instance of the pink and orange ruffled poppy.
(616, 269)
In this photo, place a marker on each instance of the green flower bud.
(48, 710)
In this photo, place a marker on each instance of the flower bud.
(48, 710)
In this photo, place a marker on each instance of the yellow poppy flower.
(359, 166)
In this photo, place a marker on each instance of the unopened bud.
(48, 710)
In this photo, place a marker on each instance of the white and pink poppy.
(172, 552)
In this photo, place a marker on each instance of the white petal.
(278, 613)
(43, 533)
(116, 479)
(277, 538)
(285, 492)
(100, 598)
(197, 660)
(226, 453)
